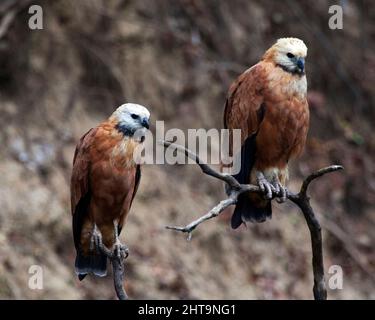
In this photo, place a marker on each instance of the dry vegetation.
(179, 57)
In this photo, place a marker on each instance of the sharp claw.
(120, 251)
(282, 194)
(277, 188)
(270, 189)
(269, 192)
(266, 188)
(261, 186)
(264, 185)
(124, 252)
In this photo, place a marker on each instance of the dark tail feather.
(81, 276)
(247, 211)
(93, 263)
(248, 150)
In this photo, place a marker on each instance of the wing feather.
(79, 184)
(245, 108)
(136, 185)
(137, 180)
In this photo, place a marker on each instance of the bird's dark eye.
(290, 55)
(134, 116)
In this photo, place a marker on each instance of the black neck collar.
(124, 130)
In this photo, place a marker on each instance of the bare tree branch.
(232, 182)
(8, 12)
(301, 200)
(317, 174)
(214, 212)
(6, 21)
(118, 278)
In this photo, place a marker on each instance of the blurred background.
(179, 57)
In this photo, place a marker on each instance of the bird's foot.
(280, 191)
(272, 188)
(96, 243)
(120, 251)
(265, 186)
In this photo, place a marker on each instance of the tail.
(251, 207)
(92, 263)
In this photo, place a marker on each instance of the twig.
(118, 278)
(301, 200)
(214, 212)
(10, 11)
(6, 22)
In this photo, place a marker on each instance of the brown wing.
(136, 185)
(137, 180)
(79, 184)
(244, 108)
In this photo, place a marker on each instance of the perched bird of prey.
(104, 182)
(268, 103)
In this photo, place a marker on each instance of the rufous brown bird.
(104, 181)
(268, 103)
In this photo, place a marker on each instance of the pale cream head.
(131, 117)
(288, 53)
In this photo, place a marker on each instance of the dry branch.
(8, 13)
(300, 199)
(118, 278)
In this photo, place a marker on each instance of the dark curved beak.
(146, 123)
(301, 64)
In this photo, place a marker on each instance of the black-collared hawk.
(268, 103)
(104, 181)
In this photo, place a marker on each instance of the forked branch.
(301, 199)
